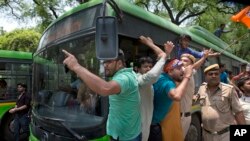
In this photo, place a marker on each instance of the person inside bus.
(244, 85)
(186, 100)
(21, 111)
(81, 94)
(123, 92)
(147, 75)
(3, 89)
(170, 86)
(223, 75)
(183, 47)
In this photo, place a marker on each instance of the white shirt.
(245, 102)
(147, 95)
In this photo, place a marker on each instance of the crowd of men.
(140, 103)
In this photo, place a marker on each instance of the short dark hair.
(221, 65)
(185, 36)
(243, 65)
(222, 24)
(23, 85)
(121, 55)
(143, 60)
(242, 81)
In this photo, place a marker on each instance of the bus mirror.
(106, 38)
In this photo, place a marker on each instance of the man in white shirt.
(147, 75)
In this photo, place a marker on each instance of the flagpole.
(233, 43)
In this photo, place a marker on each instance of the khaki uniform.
(217, 111)
(186, 105)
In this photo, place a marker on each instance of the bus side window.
(3, 89)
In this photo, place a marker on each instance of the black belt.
(217, 132)
(186, 114)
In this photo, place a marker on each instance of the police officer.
(186, 100)
(220, 106)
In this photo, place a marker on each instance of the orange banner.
(243, 16)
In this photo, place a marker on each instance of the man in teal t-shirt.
(165, 91)
(124, 119)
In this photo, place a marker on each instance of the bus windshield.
(59, 94)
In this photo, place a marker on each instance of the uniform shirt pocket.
(222, 103)
(202, 100)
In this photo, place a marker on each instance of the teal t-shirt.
(124, 119)
(162, 102)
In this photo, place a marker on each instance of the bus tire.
(8, 130)
(5, 128)
(194, 132)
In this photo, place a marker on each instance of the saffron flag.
(243, 16)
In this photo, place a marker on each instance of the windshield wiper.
(72, 132)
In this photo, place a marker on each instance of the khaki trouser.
(185, 123)
(210, 137)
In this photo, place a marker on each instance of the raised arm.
(179, 91)
(213, 54)
(94, 82)
(198, 63)
(149, 42)
(151, 76)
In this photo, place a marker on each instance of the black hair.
(3, 82)
(243, 65)
(221, 65)
(222, 24)
(242, 81)
(121, 57)
(143, 60)
(23, 85)
(185, 36)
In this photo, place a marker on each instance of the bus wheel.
(8, 129)
(194, 132)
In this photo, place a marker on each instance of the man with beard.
(220, 106)
(165, 92)
(124, 119)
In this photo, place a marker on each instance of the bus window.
(15, 67)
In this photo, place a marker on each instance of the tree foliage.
(183, 11)
(20, 40)
(43, 11)
(208, 14)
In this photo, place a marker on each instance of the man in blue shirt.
(223, 74)
(183, 47)
(165, 91)
(221, 30)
